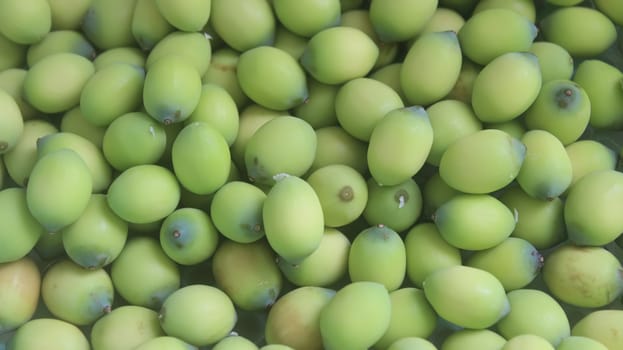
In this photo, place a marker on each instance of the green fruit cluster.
(311, 174)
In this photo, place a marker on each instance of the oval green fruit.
(336, 146)
(193, 46)
(20, 295)
(576, 342)
(60, 41)
(527, 341)
(235, 342)
(243, 24)
(222, 72)
(25, 22)
(397, 207)
(412, 343)
(603, 326)
(148, 24)
(401, 20)
(11, 124)
(165, 342)
(473, 339)
(49, 333)
(555, 62)
(319, 108)
(12, 81)
(192, 16)
(128, 55)
(218, 108)
(236, 211)
(589, 155)
(307, 18)
(188, 236)
(108, 23)
(125, 327)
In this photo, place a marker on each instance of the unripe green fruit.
(339, 54)
(144, 194)
(97, 237)
(193, 46)
(562, 108)
(534, 312)
(307, 18)
(60, 41)
(125, 327)
(612, 9)
(68, 14)
(251, 118)
(12, 81)
(48, 333)
(243, 24)
(25, 22)
(192, 16)
(436, 192)
(172, 89)
(390, 76)
(522, 7)
(444, 19)
(466, 296)
(148, 24)
(222, 72)
(20, 296)
(291, 43)
(431, 67)
(356, 317)
(555, 62)
(217, 108)
(13, 54)
(564, 2)
(319, 109)
(473, 339)
(272, 78)
(583, 31)
(474, 221)
(236, 211)
(401, 20)
(587, 156)
(481, 45)
(11, 124)
(128, 55)
(527, 341)
(464, 85)
(293, 218)
(22, 228)
(165, 342)
(108, 23)
(248, 274)
(198, 314)
(188, 236)
(576, 342)
(397, 207)
(42, 85)
(235, 342)
(412, 343)
(58, 189)
(336, 146)
(583, 276)
(601, 325)
(506, 87)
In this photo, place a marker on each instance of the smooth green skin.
(390, 76)
(474, 221)
(251, 119)
(243, 24)
(399, 145)
(165, 342)
(336, 146)
(589, 155)
(111, 92)
(272, 78)
(473, 339)
(59, 189)
(339, 54)
(506, 87)
(564, 2)
(527, 341)
(580, 343)
(464, 86)
(546, 171)
(25, 22)
(148, 24)
(133, 139)
(201, 158)
(48, 333)
(20, 295)
(236, 211)
(125, 328)
(522, 7)
(591, 206)
(13, 54)
(397, 207)
(12, 122)
(198, 314)
(539, 222)
(342, 191)
(171, 90)
(193, 46)
(514, 127)
(481, 44)
(76, 295)
(467, 297)
(603, 85)
(411, 317)
(427, 251)
(582, 31)
(450, 120)
(97, 237)
(143, 274)
(319, 109)
(108, 24)
(42, 88)
(217, 108)
(612, 9)
(412, 343)
(491, 156)
(601, 325)
(308, 17)
(144, 194)
(289, 42)
(222, 72)
(444, 19)
(285, 144)
(431, 67)
(99, 170)
(534, 312)
(400, 20)
(235, 342)
(276, 347)
(60, 41)
(130, 55)
(294, 319)
(248, 274)
(562, 108)
(515, 262)
(435, 192)
(583, 276)
(12, 81)
(356, 317)
(192, 16)
(293, 218)
(68, 14)
(554, 60)
(188, 236)
(378, 254)
(361, 103)
(325, 266)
